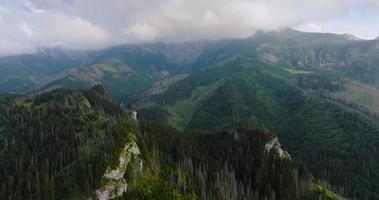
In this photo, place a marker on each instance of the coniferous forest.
(280, 115)
(58, 145)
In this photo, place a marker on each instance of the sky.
(94, 24)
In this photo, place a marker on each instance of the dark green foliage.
(319, 83)
(101, 102)
(135, 56)
(155, 113)
(56, 145)
(184, 88)
(337, 143)
(248, 98)
(150, 187)
(67, 83)
(221, 166)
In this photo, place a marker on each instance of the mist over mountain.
(76, 24)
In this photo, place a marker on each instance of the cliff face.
(274, 145)
(114, 183)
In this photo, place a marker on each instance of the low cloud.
(141, 31)
(25, 27)
(97, 24)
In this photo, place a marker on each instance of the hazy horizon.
(75, 24)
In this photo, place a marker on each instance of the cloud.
(197, 19)
(141, 31)
(72, 31)
(9, 47)
(80, 24)
(29, 6)
(311, 27)
(25, 27)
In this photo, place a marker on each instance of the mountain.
(52, 68)
(26, 72)
(59, 144)
(333, 138)
(245, 164)
(317, 91)
(333, 53)
(337, 53)
(79, 144)
(118, 78)
(351, 37)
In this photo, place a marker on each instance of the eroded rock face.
(113, 182)
(274, 145)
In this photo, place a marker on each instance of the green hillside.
(334, 140)
(24, 73)
(152, 62)
(69, 144)
(241, 91)
(118, 79)
(245, 164)
(58, 145)
(319, 93)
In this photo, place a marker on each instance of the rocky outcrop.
(274, 145)
(113, 182)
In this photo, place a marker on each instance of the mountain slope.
(246, 164)
(239, 80)
(59, 144)
(27, 72)
(330, 53)
(68, 144)
(334, 140)
(52, 68)
(55, 67)
(317, 91)
(356, 59)
(118, 78)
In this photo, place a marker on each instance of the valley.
(204, 107)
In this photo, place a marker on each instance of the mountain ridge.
(154, 58)
(316, 90)
(296, 104)
(107, 156)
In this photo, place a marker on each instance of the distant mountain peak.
(351, 37)
(290, 30)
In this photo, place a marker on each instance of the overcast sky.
(94, 24)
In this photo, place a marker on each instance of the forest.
(220, 165)
(58, 145)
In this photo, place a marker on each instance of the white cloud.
(25, 26)
(33, 9)
(311, 27)
(26, 29)
(72, 31)
(80, 24)
(142, 31)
